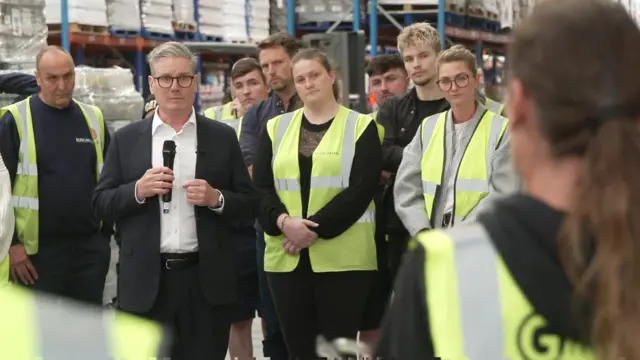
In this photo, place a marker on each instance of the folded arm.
(391, 151)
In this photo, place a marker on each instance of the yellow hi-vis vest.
(476, 308)
(36, 326)
(354, 249)
(4, 271)
(472, 180)
(25, 186)
(224, 113)
(494, 106)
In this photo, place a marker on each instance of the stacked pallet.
(322, 11)
(257, 17)
(277, 16)
(234, 24)
(184, 16)
(124, 17)
(156, 18)
(23, 33)
(89, 16)
(210, 19)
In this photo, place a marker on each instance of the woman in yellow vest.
(7, 222)
(318, 170)
(458, 161)
(552, 274)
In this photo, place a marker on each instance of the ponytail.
(600, 240)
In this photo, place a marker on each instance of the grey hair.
(171, 49)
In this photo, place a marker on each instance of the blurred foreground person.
(558, 266)
(7, 222)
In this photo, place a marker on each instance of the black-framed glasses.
(461, 81)
(184, 81)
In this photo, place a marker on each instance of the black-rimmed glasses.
(184, 81)
(461, 81)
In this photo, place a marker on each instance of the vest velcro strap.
(27, 169)
(472, 185)
(429, 188)
(328, 182)
(287, 185)
(25, 202)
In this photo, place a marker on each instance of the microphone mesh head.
(169, 145)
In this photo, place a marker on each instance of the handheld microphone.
(168, 156)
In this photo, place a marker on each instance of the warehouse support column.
(373, 27)
(291, 17)
(64, 22)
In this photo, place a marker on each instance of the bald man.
(53, 148)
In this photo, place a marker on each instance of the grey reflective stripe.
(493, 106)
(88, 338)
(497, 122)
(218, 112)
(24, 167)
(93, 120)
(234, 123)
(479, 297)
(287, 185)
(281, 129)
(369, 216)
(25, 202)
(427, 131)
(429, 188)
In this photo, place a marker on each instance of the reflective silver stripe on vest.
(429, 127)
(494, 106)
(25, 202)
(218, 112)
(494, 137)
(478, 292)
(25, 168)
(89, 337)
(93, 120)
(234, 123)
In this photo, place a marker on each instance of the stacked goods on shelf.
(124, 15)
(320, 11)
(277, 16)
(85, 15)
(210, 18)
(23, 32)
(234, 24)
(113, 91)
(485, 9)
(156, 17)
(258, 19)
(212, 91)
(184, 15)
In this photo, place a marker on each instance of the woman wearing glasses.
(459, 159)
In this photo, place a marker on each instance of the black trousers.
(397, 245)
(73, 267)
(199, 331)
(311, 304)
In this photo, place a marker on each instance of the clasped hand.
(159, 181)
(297, 235)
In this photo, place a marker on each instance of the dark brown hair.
(283, 40)
(323, 59)
(245, 66)
(384, 63)
(578, 60)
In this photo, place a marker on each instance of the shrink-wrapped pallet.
(257, 19)
(277, 16)
(312, 11)
(234, 25)
(23, 32)
(124, 15)
(83, 12)
(486, 9)
(156, 16)
(210, 17)
(184, 14)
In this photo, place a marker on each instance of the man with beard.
(419, 46)
(276, 52)
(387, 78)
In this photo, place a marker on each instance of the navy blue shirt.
(255, 120)
(18, 84)
(66, 159)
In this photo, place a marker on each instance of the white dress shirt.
(178, 227)
(7, 218)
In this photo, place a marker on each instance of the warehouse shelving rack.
(132, 50)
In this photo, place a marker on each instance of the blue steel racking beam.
(373, 27)
(64, 26)
(291, 17)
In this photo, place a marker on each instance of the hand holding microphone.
(159, 180)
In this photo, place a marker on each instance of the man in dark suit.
(176, 266)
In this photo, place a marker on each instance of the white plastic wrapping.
(258, 18)
(112, 90)
(211, 16)
(124, 15)
(156, 16)
(84, 12)
(184, 12)
(277, 16)
(23, 32)
(234, 27)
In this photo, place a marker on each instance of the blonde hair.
(458, 53)
(418, 34)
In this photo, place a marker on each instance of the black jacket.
(219, 162)
(396, 116)
(524, 231)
